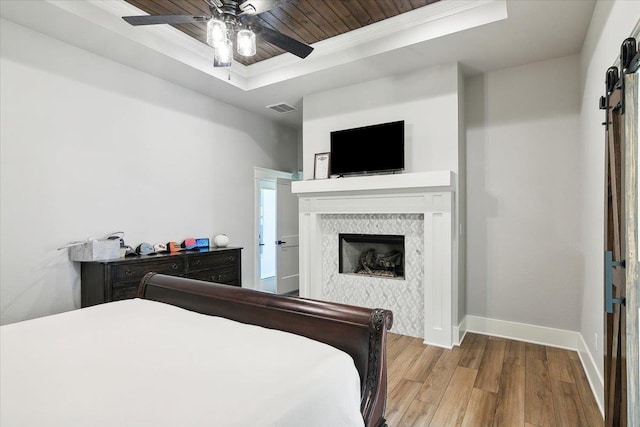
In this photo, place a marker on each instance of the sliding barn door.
(615, 274)
(621, 229)
(632, 120)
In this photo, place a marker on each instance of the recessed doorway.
(267, 234)
(277, 249)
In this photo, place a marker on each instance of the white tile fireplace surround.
(403, 297)
(418, 206)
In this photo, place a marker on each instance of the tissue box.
(95, 250)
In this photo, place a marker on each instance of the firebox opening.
(376, 255)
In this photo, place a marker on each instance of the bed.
(193, 353)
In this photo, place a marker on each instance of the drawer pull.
(128, 272)
(174, 266)
(231, 258)
(197, 262)
(213, 278)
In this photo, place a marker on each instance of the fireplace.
(375, 255)
(418, 206)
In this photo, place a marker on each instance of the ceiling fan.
(231, 18)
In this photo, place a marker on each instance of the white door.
(287, 276)
(267, 235)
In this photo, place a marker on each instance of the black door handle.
(280, 242)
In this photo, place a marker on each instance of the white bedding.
(143, 363)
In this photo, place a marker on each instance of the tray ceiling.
(309, 21)
(478, 35)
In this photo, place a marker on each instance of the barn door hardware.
(604, 105)
(611, 80)
(629, 57)
(614, 80)
(609, 264)
(628, 52)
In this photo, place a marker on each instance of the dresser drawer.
(125, 291)
(104, 281)
(135, 272)
(209, 261)
(226, 276)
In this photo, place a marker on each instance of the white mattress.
(143, 363)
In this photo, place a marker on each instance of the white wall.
(524, 257)
(89, 146)
(429, 101)
(426, 100)
(611, 23)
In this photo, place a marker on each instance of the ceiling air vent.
(282, 107)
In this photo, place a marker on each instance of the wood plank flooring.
(487, 381)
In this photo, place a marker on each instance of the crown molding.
(423, 24)
(437, 20)
(161, 38)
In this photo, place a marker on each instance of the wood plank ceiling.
(309, 21)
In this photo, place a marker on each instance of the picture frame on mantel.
(321, 166)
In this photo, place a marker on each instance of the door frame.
(262, 174)
(632, 98)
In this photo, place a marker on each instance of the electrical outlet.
(596, 340)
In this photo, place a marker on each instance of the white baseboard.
(552, 337)
(459, 332)
(523, 332)
(593, 375)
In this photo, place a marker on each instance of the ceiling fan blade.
(163, 19)
(254, 7)
(282, 41)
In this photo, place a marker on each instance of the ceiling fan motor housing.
(229, 10)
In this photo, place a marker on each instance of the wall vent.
(282, 107)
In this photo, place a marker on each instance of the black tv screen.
(369, 149)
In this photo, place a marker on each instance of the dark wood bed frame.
(358, 331)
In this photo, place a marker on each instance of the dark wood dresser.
(105, 281)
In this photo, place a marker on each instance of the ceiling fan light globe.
(216, 32)
(246, 43)
(223, 54)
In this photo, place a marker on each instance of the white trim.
(261, 174)
(419, 181)
(420, 25)
(161, 38)
(553, 337)
(406, 193)
(264, 173)
(459, 332)
(523, 332)
(593, 374)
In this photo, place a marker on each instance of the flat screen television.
(369, 149)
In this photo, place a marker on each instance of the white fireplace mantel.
(425, 181)
(430, 194)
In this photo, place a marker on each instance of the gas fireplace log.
(377, 264)
(390, 260)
